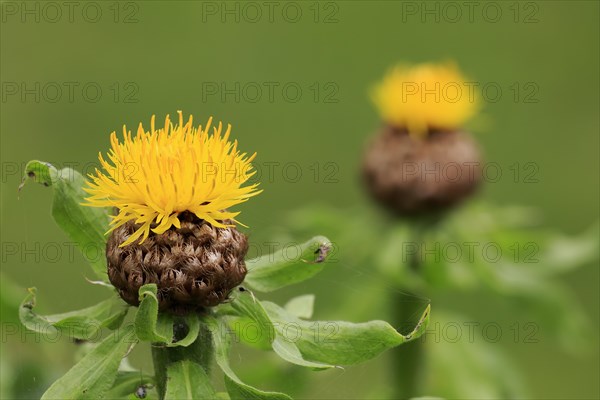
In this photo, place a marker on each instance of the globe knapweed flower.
(171, 188)
(425, 97)
(421, 161)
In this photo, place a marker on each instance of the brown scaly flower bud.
(194, 266)
(410, 175)
(421, 161)
(171, 188)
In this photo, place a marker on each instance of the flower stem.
(409, 358)
(200, 352)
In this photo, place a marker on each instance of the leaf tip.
(421, 325)
(323, 248)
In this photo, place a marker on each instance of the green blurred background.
(157, 57)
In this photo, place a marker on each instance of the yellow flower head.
(425, 96)
(153, 177)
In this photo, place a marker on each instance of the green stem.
(200, 352)
(407, 359)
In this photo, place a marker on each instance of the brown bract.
(194, 267)
(411, 175)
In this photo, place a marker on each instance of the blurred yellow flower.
(160, 173)
(424, 97)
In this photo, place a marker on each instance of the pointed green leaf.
(149, 326)
(339, 342)
(221, 336)
(152, 326)
(192, 322)
(250, 333)
(291, 265)
(321, 344)
(287, 350)
(301, 306)
(81, 324)
(32, 321)
(86, 226)
(248, 306)
(187, 380)
(240, 391)
(128, 382)
(94, 375)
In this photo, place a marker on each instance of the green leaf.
(291, 265)
(33, 321)
(86, 226)
(149, 327)
(82, 324)
(339, 342)
(321, 344)
(248, 306)
(126, 384)
(188, 380)
(95, 374)
(221, 337)
(301, 306)
(250, 333)
(152, 326)
(192, 321)
(289, 351)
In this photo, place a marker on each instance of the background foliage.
(173, 53)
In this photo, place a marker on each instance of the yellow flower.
(425, 96)
(160, 173)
